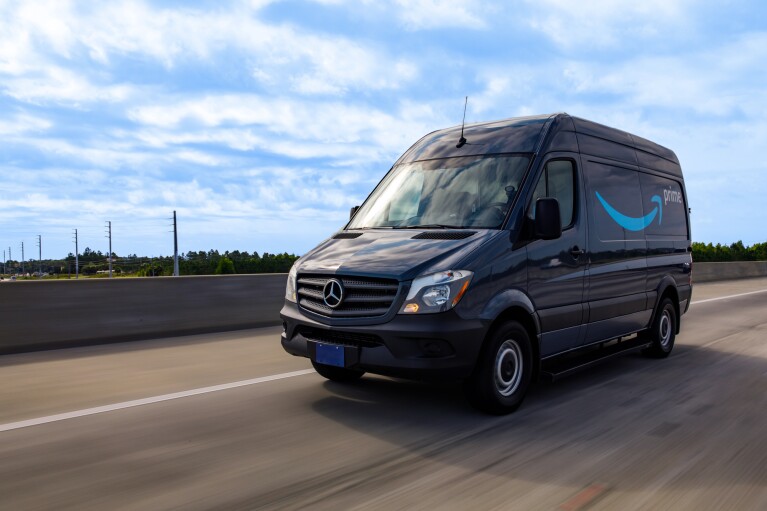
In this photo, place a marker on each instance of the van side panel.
(640, 232)
(617, 275)
(669, 239)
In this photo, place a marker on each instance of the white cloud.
(58, 85)
(22, 123)
(429, 14)
(416, 15)
(692, 81)
(606, 23)
(31, 34)
(99, 153)
(318, 129)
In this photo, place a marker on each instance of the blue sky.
(262, 122)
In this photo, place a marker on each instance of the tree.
(225, 266)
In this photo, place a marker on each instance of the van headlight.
(436, 292)
(290, 288)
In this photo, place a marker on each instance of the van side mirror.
(353, 211)
(548, 223)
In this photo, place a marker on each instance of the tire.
(662, 333)
(503, 372)
(339, 374)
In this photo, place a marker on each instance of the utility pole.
(77, 258)
(4, 262)
(10, 254)
(175, 245)
(22, 258)
(109, 231)
(40, 256)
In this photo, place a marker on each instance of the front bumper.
(428, 346)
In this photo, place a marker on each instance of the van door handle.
(576, 252)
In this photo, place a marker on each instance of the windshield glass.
(461, 192)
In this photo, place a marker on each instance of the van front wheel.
(503, 373)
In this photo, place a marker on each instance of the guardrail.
(51, 314)
(709, 272)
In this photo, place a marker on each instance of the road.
(688, 432)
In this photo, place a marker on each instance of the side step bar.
(564, 365)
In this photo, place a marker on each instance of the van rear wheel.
(340, 374)
(662, 333)
(504, 371)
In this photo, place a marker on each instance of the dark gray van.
(498, 254)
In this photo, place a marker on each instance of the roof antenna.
(462, 140)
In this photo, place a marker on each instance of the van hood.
(392, 253)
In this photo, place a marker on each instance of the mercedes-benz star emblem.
(333, 293)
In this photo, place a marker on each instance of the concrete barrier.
(710, 272)
(57, 313)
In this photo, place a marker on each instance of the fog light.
(411, 307)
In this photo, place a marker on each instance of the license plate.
(330, 355)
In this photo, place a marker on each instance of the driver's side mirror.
(548, 223)
(353, 211)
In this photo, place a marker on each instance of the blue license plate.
(330, 355)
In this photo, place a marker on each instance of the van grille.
(363, 296)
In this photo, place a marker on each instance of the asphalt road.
(688, 432)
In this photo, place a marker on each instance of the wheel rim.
(664, 329)
(508, 367)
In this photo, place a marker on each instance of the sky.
(262, 122)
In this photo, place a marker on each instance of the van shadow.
(622, 422)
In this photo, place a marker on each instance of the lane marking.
(727, 297)
(148, 401)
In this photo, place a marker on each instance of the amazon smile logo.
(631, 223)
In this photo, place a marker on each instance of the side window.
(557, 181)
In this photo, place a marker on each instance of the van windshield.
(463, 192)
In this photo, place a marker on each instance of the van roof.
(528, 134)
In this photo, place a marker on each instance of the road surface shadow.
(623, 422)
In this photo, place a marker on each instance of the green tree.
(225, 266)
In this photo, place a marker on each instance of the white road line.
(726, 297)
(148, 401)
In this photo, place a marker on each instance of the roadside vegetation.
(710, 253)
(95, 264)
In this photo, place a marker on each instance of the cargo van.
(498, 253)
